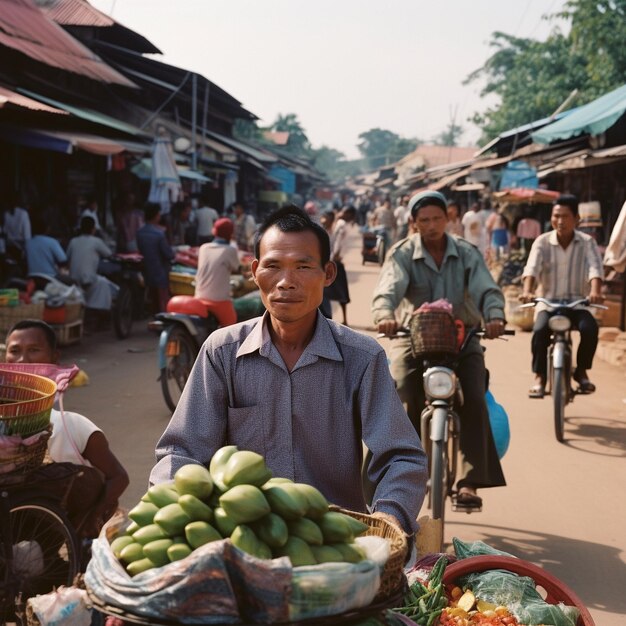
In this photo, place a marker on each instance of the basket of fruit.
(214, 536)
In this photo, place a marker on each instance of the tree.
(298, 143)
(248, 130)
(382, 147)
(533, 78)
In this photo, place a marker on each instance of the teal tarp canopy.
(592, 118)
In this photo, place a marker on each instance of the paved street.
(563, 508)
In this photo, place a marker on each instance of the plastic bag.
(499, 421)
(519, 595)
(332, 588)
(67, 606)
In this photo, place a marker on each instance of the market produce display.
(236, 498)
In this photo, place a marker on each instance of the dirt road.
(563, 507)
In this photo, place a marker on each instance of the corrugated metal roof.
(23, 27)
(16, 99)
(74, 13)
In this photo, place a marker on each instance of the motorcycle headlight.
(559, 323)
(439, 383)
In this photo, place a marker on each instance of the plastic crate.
(68, 334)
(182, 284)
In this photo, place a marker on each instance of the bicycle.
(559, 380)
(39, 549)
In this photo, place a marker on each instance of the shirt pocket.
(245, 428)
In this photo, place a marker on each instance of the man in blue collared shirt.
(301, 390)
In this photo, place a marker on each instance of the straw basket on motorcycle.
(433, 332)
(25, 404)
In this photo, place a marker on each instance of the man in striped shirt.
(568, 265)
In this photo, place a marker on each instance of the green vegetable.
(194, 479)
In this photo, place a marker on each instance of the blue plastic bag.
(499, 421)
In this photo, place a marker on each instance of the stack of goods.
(269, 538)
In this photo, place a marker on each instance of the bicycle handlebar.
(556, 304)
(478, 332)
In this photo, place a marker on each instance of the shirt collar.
(552, 238)
(419, 252)
(322, 344)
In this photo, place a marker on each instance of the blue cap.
(427, 198)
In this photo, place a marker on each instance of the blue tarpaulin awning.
(592, 118)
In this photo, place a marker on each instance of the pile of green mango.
(235, 498)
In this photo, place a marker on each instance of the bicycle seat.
(189, 305)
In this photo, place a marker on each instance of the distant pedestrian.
(206, 216)
(454, 225)
(383, 217)
(44, 254)
(402, 214)
(339, 291)
(472, 227)
(128, 220)
(157, 256)
(245, 227)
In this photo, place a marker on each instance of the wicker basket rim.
(45, 387)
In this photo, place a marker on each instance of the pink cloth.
(528, 228)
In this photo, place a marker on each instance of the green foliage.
(381, 147)
(298, 143)
(450, 136)
(533, 78)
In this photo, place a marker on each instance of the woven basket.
(392, 577)
(16, 469)
(11, 315)
(433, 332)
(25, 402)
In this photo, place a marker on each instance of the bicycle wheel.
(123, 312)
(180, 356)
(439, 479)
(560, 397)
(40, 553)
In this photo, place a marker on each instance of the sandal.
(586, 386)
(467, 502)
(537, 391)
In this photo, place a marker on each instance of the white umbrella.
(165, 186)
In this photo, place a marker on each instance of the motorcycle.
(440, 424)
(130, 303)
(182, 329)
(559, 380)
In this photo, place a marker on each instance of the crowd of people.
(325, 377)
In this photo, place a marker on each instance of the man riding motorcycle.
(425, 267)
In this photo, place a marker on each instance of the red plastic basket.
(556, 590)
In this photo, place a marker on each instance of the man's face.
(290, 274)
(453, 211)
(563, 220)
(431, 223)
(29, 345)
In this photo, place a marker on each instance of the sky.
(342, 66)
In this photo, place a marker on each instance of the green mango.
(326, 554)
(245, 467)
(149, 533)
(172, 519)
(285, 500)
(351, 552)
(244, 503)
(307, 530)
(358, 527)
(199, 533)
(195, 508)
(277, 480)
(137, 567)
(335, 528)
(163, 494)
(318, 505)
(143, 513)
(132, 528)
(194, 479)
(298, 551)
(178, 551)
(156, 551)
(224, 524)
(244, 538)
(272, 529)
(119, 543)
(131, 552)
(218, 463)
